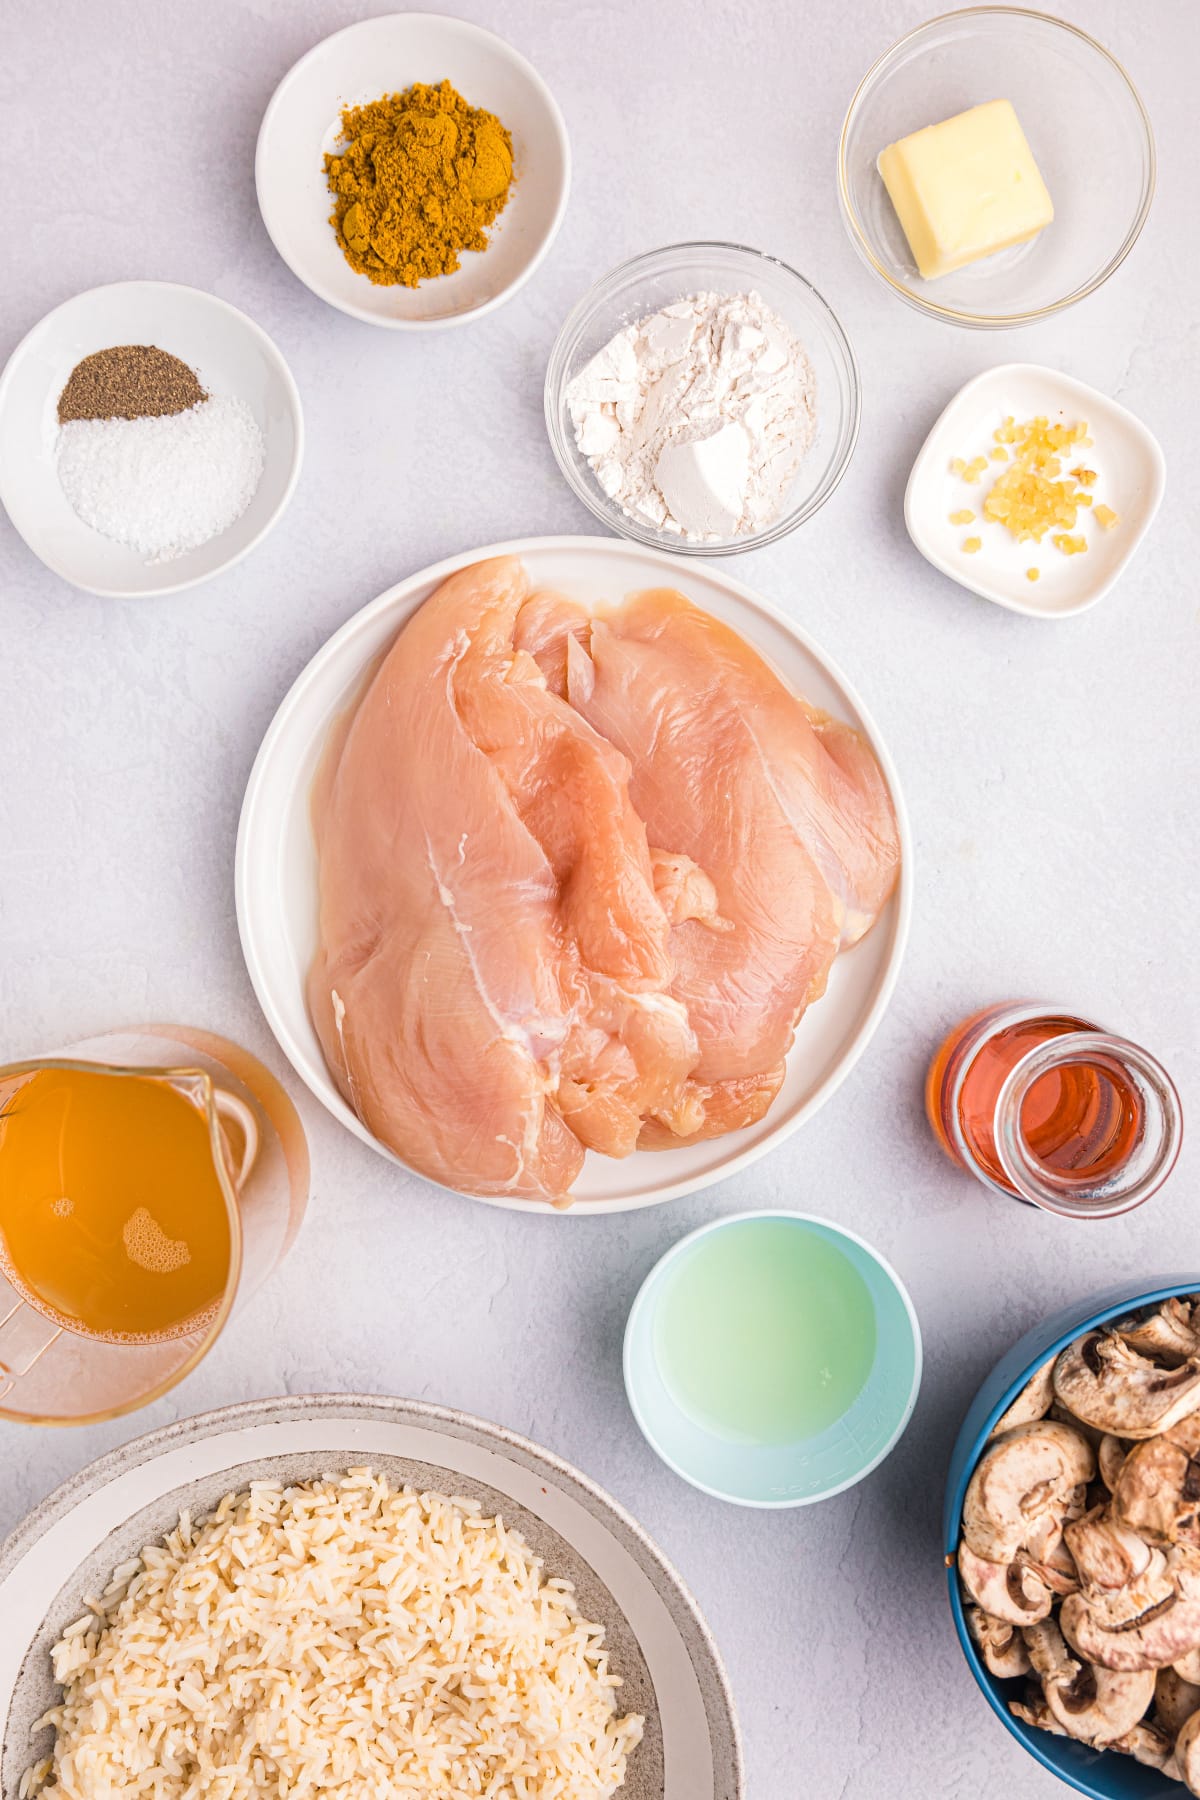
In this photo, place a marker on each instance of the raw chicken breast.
(579, 878)
(775, 840)
(491, 988)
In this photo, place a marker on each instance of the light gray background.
(1051, 772)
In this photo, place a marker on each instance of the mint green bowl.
(810, 1468)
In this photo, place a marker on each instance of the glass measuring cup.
(52, 1373)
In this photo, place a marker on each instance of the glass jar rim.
(1032, 1179)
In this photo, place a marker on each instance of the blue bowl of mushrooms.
(1072, 1540)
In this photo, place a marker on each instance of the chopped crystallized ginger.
(1031, 496)
(1034, 495)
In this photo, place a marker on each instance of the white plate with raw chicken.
(535, 892)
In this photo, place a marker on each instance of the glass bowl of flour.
(703, 399)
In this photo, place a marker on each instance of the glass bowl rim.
(955, 315)
(598, 504)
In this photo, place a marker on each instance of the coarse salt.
(163, 485)
(695, 419)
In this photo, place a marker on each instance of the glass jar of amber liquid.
(1048, 1108)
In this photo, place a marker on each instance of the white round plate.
(231, 355)
(277, 866)
(385, 56)
(658, 1641)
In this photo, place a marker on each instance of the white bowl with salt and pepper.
(739, 398)
(236, 364)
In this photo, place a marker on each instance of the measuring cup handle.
(228, 1106)
(24, 1336)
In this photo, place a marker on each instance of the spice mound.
(148, 458)
(695, 419)
(130, 381)
(421, 178)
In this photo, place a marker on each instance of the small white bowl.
(1131, 475)
(385, 56)
(231, 355)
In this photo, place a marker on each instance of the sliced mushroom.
(1175, 1700)
(1048, 1654)
(1187, 1753)
(1010, 1592)
(1021, 1479)
(1045, 1551)
(1157, 1492)
(1122, 1579)
(1110, 1459)
(1066, 1417)
(1088, 1493)
(1147, 1744)
(1092, 1704)
(1169, 1335)
(1154, 1640)
(1033, 1402)
(1057, 1570)
(1109, 1386)
(1101, 1705)
(1032, 1710)
(1001, 1645)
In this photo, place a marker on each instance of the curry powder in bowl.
(421, 178)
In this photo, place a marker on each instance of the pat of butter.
(966, 188)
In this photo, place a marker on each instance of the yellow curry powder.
(422, 176)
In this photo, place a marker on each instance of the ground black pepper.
(129, 381)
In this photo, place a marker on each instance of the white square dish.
(1130, 478)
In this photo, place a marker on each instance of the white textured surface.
(1051, 771)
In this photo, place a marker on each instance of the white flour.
(695, 419)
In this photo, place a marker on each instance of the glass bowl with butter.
(709, 323)
(995, 166)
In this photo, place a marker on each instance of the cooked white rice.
(338, 1638)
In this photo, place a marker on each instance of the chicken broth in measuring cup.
(113, 1220)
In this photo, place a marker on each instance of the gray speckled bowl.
(658, 1641)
